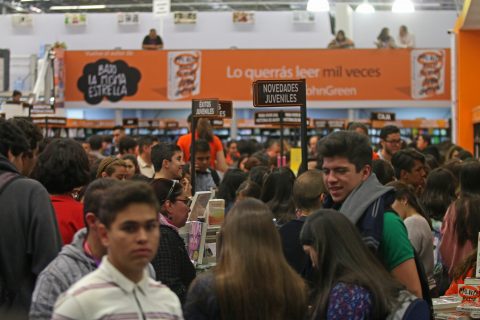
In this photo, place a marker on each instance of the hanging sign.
(383, 116)
(130, 122)
(171, 125)
(276, 93)
(205, 108)
(225, 109)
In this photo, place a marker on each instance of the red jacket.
(69, 214)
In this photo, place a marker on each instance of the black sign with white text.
(171, 125)
(275, 93)
(130, 122)
(109, 80)
(225, 109)
(383, 116)
(217, 123)
(205, 108)
(42, 109)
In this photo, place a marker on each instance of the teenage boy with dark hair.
(167, 159)
(356, 192)
(96, 143)
(127, 145)
(144, 157)
(206, 177)
(308, 193)
(391, 142)
(75, 260)
(29, 236)
(121, 287)
(34, 137)
(118, 133)
(409, 165)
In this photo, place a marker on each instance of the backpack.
(409, 307)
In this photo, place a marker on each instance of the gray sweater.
(69, 266)
(421, 237)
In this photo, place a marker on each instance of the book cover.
(216, 212)
(196, 241)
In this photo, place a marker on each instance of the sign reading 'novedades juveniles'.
(269, 93)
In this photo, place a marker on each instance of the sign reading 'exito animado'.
(331, 75)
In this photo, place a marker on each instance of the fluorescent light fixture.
(35, 9)
(318, 6)
(365, 7)
(403, 6)
(87, 7)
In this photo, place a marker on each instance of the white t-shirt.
(107, 293)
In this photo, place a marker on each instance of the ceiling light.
(35, 9)
(403, 6)
(318, 5)
(365, 7)
(88, 7)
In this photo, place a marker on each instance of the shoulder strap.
(215, 176)
(6, 178)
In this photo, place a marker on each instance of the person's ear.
(165, 163)
(322, 197)
(104, 174)
(366, 172)
(403, 174)
(382, 143)
(91, 220)
(168, 205)
(103, 235)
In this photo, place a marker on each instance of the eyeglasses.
(187, 201)
(171, 189)
(393, 141)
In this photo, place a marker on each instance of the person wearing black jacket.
(29, 236)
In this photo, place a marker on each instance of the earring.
(169, 217)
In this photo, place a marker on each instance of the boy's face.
(202, 161)
(175, 165)
(132, 239)
(341, 177)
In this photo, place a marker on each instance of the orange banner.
(331, 75)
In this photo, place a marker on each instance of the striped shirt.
(107, 294)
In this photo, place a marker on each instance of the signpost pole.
(303, 132)
(281, 113)
(192, 150)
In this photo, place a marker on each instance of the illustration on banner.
(183, 74)
(428, 73)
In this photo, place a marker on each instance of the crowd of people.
(91, 230)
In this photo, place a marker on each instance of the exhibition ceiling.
(62, 6)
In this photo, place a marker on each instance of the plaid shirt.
(172, 264)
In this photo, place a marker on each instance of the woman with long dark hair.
(172, 264)
(227, 189)
(418, 225)
(384, 40)
(438, 195)
(351, 283)
(252, 279)
(277, 191)
(63, 169)
(461, 223)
